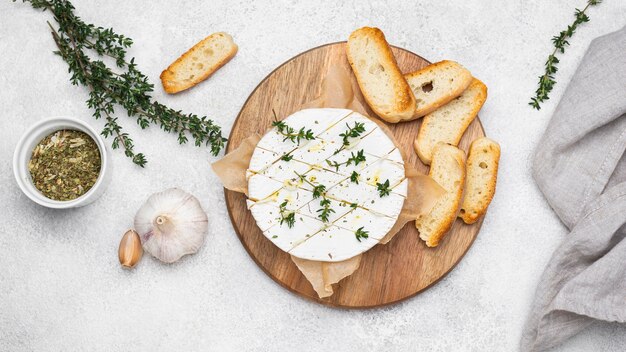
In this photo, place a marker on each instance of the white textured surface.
(61, 287)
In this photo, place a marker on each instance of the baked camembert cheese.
(326, 184)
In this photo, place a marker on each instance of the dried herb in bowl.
(65, 165)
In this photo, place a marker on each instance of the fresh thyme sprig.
(326, 210)
(289, 133)
(546, 81)
(360, 233)
(319, 191)
(287, 216)
(354, 177)
(129, 89)
(355, 159)
(352, 132)
(286, 157)
(383, 188)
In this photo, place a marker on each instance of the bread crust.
(453, 159)
(416, 79)
(403, 105)
(482, 176)
(170, 76)
(430, 130)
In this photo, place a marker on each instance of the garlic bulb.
(171, 224)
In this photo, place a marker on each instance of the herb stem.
(351, 132)
(357, 158)
(547, 81)
(303, 178)
(287, 216)
(112, 125)
(319, 190)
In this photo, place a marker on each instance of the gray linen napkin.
(580, 166)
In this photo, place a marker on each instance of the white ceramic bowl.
(32, 137)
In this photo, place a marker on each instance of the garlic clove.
(130, 250)
(171, 224)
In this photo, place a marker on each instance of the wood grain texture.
(388, 273)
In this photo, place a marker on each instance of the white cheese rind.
(376, 143)
(332, 244)
(389, 205)
(351, 192)
(333, 134)
(261, 187)
(312, 209)
(286, 170)
(265, 214)
(275, 142)
(401, 188)
(274, 182)
(316, 120)
(377, 225)
(295, 198)
(315, 152)
(317, 176)
(396, 156)
(261, 159)
(287, 238)
(383, 170)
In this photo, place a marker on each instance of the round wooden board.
(388, 273)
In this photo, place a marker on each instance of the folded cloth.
(580, 167)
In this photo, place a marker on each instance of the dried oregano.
(65, 165)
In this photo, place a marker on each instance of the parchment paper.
(337, 91)
(229, 168)
(322, 275)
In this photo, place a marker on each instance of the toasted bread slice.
(199, 62)
(437, 84)
(381, 81)
(480, 184)
(448, 123)
(447, 169)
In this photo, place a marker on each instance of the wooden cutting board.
(388, 273)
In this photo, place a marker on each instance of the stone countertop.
(61, 285)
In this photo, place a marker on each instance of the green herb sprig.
(547, 81)
(360, 233)
(355, 159)
(351, 132)
(130, 89)
(319, 191)
(289, 133)
(383, 188)
(326, 210)
(286, 157)
(287, 216)
(354, 177)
